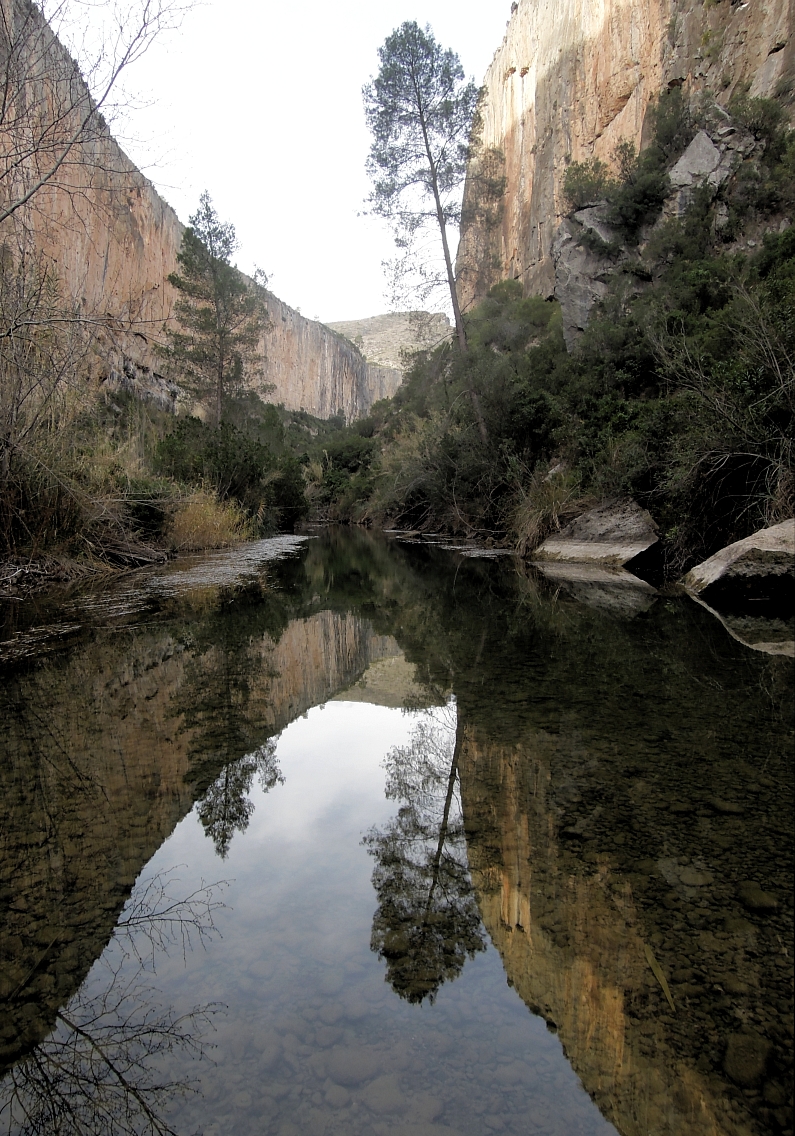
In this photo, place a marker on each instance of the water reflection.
(108, 1066)
(226, 808)
(600, 785)
(427, 922)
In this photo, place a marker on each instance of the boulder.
(767, 557)
(699, 160)
(702, 163)
(611, 535)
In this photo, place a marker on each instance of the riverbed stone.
(337, 1096)
(746, 1058)
(384, 1095)
(352, 1065)
(752, 896)
(692, 877)
(423, 1129)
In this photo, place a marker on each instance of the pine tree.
(222, 315)
(425, 122)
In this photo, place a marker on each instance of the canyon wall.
(114, 241)
(572, 79)
(316, 369)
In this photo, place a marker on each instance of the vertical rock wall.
(573, 78)
(114, 242)
(316, 369)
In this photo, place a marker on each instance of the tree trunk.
(474, 398)
(445, 821)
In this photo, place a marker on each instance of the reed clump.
(200, 521)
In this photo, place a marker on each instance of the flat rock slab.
(611, 535)
(767, 553)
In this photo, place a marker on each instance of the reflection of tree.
(222, 705)
(427, 922)
(97, 1072)
(226, 806)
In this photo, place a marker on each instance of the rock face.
(114, 242)
(383, 339)
(611, 535)
(571, 80)
(765, 555)
(316, 369)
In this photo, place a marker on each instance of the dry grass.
(546, 504)
(202, 521)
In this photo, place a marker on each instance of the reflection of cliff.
(114, 242)
(90, 791)
(574, 875)
(572, 79)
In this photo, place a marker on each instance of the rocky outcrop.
(588, 252)
(384, 339)
(570, 81)
(611, 535)
(766, 556)
(114, 241)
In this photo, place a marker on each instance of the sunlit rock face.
(320, 371)
(114, 241)
(383, 339)
(106, 752)
(578, 865)
(572, 79)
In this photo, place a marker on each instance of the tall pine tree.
(221, 314)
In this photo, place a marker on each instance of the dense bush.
(586, 183)
(682, 397)
(237, 467)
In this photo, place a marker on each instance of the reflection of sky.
(306, 997)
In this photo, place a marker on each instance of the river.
(345, 834)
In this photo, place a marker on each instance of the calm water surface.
(344, 835)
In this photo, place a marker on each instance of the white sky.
(260, 103)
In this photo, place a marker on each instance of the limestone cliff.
(316, 369)
(114, 242)
(573, 78)
(383, 339)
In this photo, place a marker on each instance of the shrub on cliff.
(639, 186)
(587, 183)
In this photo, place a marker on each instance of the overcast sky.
(260, 103)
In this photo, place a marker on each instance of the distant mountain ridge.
(383, 339)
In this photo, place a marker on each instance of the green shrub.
(763, 118)
(586, 183)
(239, 468)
